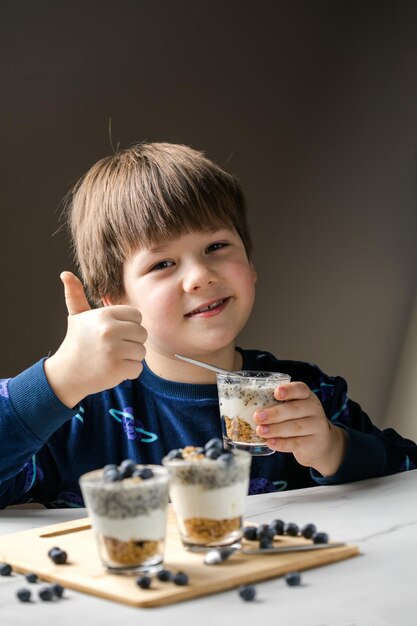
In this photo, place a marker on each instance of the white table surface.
(378, 588)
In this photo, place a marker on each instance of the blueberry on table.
(46, 594)
(308, 531)
(250, 533)
(23, 595)
(144, 582)
(57, 590)
(320, 537)
(5, 569)
(58, 556)
(180, 579)
(293, 579)
(291, 529)
(247, 593)
(31, 577)
(164, 575)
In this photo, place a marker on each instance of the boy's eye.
(162, 265)
(218, 245)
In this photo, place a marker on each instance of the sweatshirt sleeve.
(370, 451)
(29, 414)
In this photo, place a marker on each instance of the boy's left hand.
(299, 425)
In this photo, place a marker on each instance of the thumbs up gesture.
(102, 346)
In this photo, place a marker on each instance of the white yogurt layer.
(236, 407)
(223, 503)
(149, 527)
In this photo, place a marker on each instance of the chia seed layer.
(126, 498)
(208, 473)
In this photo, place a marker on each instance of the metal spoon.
(219, 555)
(213, 368)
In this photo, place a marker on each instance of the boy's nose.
(199, 276)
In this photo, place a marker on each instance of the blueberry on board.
(145, 473)
(277, 526)
(46, 594)
(247, 593)
(57, 590)
(320, 538)
(58, 556)
(180, 579)
(265, 542)
(164, 575)
(31, 577)
(214, 443)
(293, 579)
(144, 582)
(250, 533)
(308, 530)
(291, 529)
(264, 532)
(5, 569)
(126, 468)
(23, 595)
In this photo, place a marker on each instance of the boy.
(162, 243)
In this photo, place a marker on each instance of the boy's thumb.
(75, 297)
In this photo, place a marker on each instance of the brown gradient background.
(312, 104)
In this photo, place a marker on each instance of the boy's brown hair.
(145, 195)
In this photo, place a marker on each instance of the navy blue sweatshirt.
(45, 446)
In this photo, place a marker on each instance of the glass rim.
(95, 476)
(255, 375)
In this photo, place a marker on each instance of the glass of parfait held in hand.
(240, 395)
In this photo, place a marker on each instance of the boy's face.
(195, 293)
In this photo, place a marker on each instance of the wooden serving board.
(27, 551)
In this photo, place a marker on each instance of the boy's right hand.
(102, 346)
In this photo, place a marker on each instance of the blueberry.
(23, 595)
(180, 579)
(291, 529)
(213, 453)
(164, 575)
(265, 542)
(112, 475)
(58, 556)
(308, 530)
(214, 444)
(126, 468)
(247, 593)
(109, 467)
(226, 457)
(5, 569)
(293, 579)
(144, 582)
(320, 538)
(31, 577)
(264, 531)
(250, 533)
(277, 526)
(174, 454)
(57, 590)
(46, 594)
(145, 473)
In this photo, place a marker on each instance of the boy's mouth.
(212, 308)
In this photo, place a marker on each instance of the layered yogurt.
(128, 515)
(208, 489)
